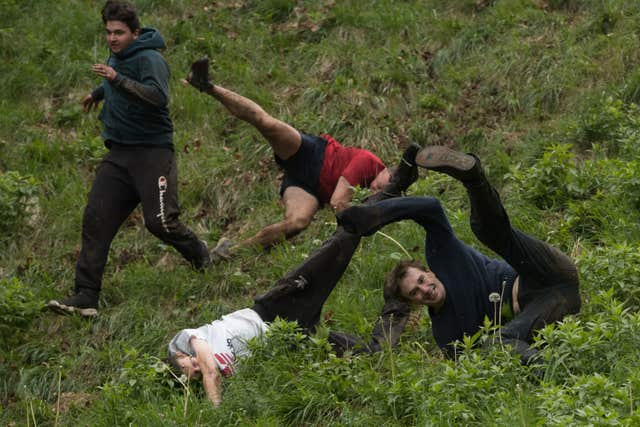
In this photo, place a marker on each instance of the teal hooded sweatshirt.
(128, 120)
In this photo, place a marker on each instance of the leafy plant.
(17, 194)
(18, 308)
(548, 183)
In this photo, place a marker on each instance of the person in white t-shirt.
(212, 350)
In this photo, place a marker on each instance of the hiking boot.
(199, 75)
(406, 173)
(81, 303)
(222, 251)
(461, 166)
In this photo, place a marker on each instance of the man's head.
(185, 363)
(121, 24)
(412, 282)
(381, 180)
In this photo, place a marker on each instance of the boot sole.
(56, 307)
(446, 160)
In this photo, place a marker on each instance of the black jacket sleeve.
(98, 93)
(146, 93)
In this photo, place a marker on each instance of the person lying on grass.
(534, 285)
(211, 351)
(317, 169)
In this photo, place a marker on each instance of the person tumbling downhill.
(213, 350)
(140, 166)
(317, 169)
(536, 283)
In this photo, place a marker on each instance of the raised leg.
(300, 295)
(545, 264)
(284, 139)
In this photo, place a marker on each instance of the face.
(381, 181)
(422, 287)
(188, 365)
(119, 36)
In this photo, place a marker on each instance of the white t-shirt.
(227, 337)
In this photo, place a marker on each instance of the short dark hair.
(115, 10)
(392, 285)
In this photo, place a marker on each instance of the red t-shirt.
(356, 165)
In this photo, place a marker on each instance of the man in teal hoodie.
(140, 166)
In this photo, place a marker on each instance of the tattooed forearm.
(145, 93)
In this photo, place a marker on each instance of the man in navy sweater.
(140, 166)
(536, 284)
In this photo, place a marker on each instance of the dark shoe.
(199, 75)
(405, 174)
(80, 303)
(461, 166)
(222, 251)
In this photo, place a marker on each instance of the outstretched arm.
(211, 378)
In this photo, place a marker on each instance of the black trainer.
(461, 166)
(406, 173)
(199, 75)
(81, 303)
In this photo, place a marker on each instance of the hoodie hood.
(149, 38)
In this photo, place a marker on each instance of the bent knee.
(296, 225)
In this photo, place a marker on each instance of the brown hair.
(395, 276)
(114, 10)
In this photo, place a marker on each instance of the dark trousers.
(300, 295)
(549, 285)
(126, 177)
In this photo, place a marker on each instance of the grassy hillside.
(545, 91)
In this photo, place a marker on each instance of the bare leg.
(300, 207)
(283, 138)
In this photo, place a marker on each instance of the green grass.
(543, 91)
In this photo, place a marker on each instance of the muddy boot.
(463, 167)
(199, 75)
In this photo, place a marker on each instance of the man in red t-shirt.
(318, 169)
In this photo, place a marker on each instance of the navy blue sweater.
(467, 275)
